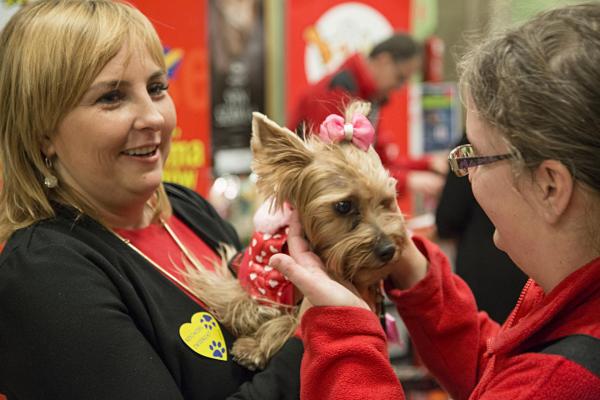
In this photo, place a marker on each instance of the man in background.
(388, 66)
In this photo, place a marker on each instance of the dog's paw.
(245, 352)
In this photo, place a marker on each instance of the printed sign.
(237, 66)
(321, 34)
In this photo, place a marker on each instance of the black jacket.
(83, 316)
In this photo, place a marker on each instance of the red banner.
(307, 26)
(182, 28)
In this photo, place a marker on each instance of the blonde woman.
(93, 304)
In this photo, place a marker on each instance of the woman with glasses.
(533, 160)
(497, 283)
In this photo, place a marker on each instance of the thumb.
(295, 272)
(316, 285)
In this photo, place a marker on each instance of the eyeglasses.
(463, 157)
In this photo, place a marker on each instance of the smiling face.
(113, 145)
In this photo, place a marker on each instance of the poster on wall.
(322, 34)
(236, 37)
(442, 123)
(182, 30)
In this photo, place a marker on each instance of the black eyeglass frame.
(460, 164)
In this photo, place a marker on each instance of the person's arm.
(346, 356)
(436, 305)
(441, 316)
(415, 181)
(423, 174)
(345, 348)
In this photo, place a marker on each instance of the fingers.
(305, 270)
(318, 288)
(296, 242)
(284, 264)
(301, 276)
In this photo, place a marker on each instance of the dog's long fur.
(319, 180)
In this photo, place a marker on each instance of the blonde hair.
(50, 53)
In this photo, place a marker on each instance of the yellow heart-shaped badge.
(204, 336)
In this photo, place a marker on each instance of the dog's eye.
(343, 207)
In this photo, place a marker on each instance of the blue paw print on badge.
(217, 349)
(209, 322)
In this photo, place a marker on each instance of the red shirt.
(155, 242)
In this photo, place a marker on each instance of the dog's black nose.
(384, 250)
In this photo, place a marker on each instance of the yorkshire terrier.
(346, 201)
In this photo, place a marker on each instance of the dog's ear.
(279, 156)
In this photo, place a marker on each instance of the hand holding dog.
(305, 269)
(410, 268)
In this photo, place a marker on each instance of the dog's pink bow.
(360, 132)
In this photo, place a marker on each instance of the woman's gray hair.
(539, 86)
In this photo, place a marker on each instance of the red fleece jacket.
(345, 356)
(471, 355)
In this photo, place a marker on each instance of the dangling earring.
(50, 181)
